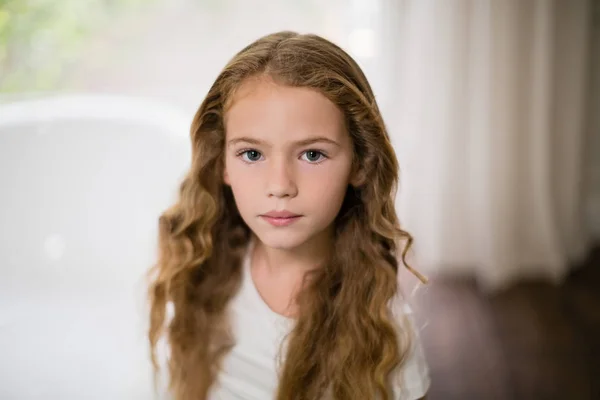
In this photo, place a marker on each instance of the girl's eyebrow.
(244, 139)
(317, 139)
(304, 142)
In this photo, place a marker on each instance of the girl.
(280, 258)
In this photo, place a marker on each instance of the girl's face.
(288, 161)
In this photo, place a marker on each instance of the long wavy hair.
(345, 341)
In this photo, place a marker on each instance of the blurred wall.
(593, 202)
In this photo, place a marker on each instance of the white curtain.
(488, 105)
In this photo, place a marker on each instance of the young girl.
(281, 256)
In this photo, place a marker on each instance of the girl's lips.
(281, 221)
(280, 214)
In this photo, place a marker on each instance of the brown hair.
(345, 340)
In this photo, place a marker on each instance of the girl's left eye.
(313, 156)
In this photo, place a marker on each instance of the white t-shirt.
(250, 368)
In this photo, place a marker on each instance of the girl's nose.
(281, 182)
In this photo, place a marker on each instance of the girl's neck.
(278, 275)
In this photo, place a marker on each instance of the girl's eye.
(313, 156)
(250, 155)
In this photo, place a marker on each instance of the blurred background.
(493, 107)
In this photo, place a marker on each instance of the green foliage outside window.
(38, 38)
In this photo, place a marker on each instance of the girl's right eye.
(250, 156)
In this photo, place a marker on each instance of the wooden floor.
(535, 341)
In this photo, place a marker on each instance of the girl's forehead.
(262, 106)
(260, 92)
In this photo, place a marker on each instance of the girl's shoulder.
(411, 379)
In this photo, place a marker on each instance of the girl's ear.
(226, 177)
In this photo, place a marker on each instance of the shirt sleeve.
(411, 380)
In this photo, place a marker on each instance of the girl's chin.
(282, 240)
